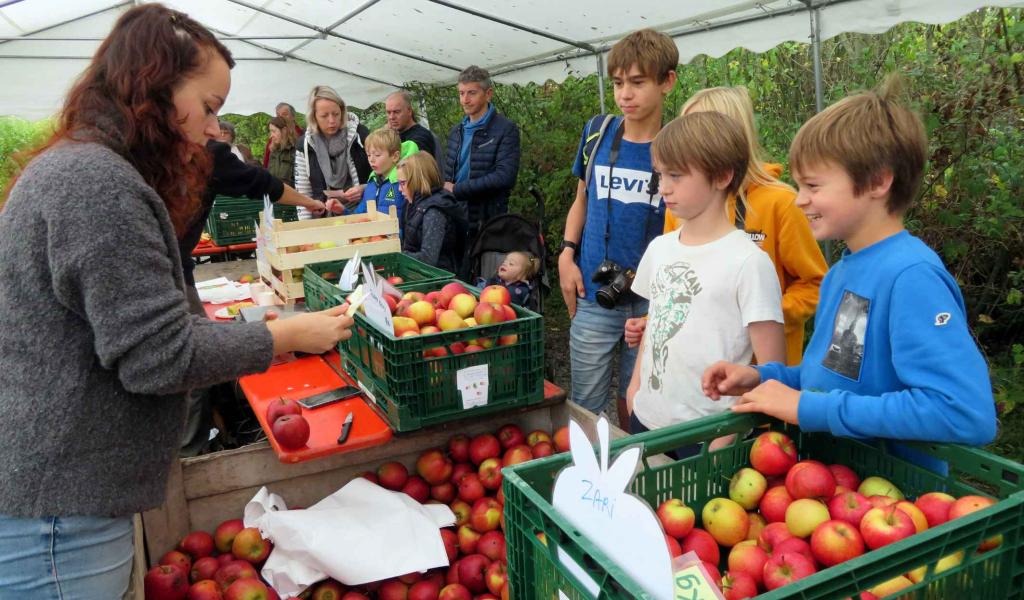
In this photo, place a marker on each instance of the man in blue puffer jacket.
(482, 160)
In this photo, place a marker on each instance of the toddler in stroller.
(515, 273)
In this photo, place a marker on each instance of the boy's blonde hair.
(420, 172)
(654, 53)
(385, 139)
(324, 92)
(735, 102)
(532, 263)
(709, 142)
(867, 134)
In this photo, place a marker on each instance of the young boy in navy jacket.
(891, 356)
(383, 150)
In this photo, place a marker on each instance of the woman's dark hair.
(124, 99)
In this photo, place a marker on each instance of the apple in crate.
(482, 447)
(785, 568)
(879, 486)
(935, 506)
(234, 570)
(422, 312)
(836, 541)
(497, 294)
(676, 518)
(746, 487)
(511, 435)
(291, 431)
(450, 320)
(487, 313)
(395, 280)
(883, 526)
(434, 467)
(249, 545)
(485, 515)
(773, 453)
(726, 521)
(225, 534)
(204, 589)
(464, 304)
(969, 504)
(248, 588)
(165, 582)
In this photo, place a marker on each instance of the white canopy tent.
(368, 48)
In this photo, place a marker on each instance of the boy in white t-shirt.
(712, 291)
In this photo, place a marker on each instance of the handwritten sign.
(593, 496)
(473, 384)
(268, 223)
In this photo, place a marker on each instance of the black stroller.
(507, 233)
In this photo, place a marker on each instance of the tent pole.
(819, 94)
(600, 80)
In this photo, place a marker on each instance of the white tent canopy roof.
(368, 48)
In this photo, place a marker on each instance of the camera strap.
(652, 189)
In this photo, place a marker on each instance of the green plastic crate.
(413, 392)
(233, 220)
(535, 571)
(322, 293)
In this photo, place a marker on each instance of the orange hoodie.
(774, 223)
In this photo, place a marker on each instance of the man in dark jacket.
(483, 152)
(402, 118)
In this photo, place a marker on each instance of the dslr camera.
(615, 282)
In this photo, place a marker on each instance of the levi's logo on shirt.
(625, 185)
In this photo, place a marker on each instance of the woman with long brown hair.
(98, 347)
(281, 163)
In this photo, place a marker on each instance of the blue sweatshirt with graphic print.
(891, 356)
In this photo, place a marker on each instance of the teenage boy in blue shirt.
(616, 213)
(891, 356)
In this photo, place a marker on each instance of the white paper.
(473, 385)
(221, 290)
(350, 274)
(594, 498)
(376, 308)
(359, 534)
(268, 223)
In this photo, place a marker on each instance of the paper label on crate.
(594, 497)
(267, 217)
(691, 580)
(350, 274)
(473, 384)
(376, 308)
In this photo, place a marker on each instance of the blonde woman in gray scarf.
(330, 160)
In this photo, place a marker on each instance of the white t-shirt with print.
(701, 300)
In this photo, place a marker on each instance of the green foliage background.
(964, 78)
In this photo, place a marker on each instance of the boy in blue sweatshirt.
(891, 356)
(383, 150)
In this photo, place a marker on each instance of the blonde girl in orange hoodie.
(771, 219)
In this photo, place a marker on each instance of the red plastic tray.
(305, 377)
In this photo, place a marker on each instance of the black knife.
(346, 427)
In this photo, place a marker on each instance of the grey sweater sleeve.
(435, 227)
(113, 264)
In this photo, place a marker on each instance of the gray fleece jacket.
(97, 346)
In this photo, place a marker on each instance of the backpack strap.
(591, 143)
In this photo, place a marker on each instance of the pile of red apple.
(785, 520)
(450, 308)
(466, 475)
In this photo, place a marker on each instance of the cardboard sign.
(473, 384)
(594, 497)
(374, 306)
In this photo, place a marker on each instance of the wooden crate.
(280, 259)
(206, 490)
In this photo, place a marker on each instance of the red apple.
(451, 544)
(496, 576)
(370, 476)
(469, 540)
(849, 506)
(443, 493)
(471, 572)
(772, 534)
(713, 574)
(281, 407)
(247, 588)
(676, 518)
(487, 313)
(225, 533)
(498, 294)
(291, 431)
(542, 449)
(674, 549)
(773, 453)
(224, 559)
(451, 290)
(836, 541)
(510, 313)
(882, 526)
(334, 590)
(935, 506)
(561, 439)
(393, 589)
(249, 545)
(461, 469)
(165, 582)
(738, 585)
(470, 488)
(774, 503)
(510, 435)
(204, 568)
(784, 569)
(395, 280)
(517, 454)
(915, 514)
(757, 524)
(794, 544)
(417, 489)
(461, 510)
(204, 589)
(234, 570)
(492, 545)
(458, 448)
(424, 590)
(174, 558)
(455, 591)
(748, 558)
(703, 544)
(434, 467)
(482, 447)
(485, 515)
(880, 501)
(969, 504)
(810, 479)
(845, 476)
(197, 544)
(538, 435)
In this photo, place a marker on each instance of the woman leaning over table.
(98, 348)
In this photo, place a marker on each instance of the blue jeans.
(65, 558)
(594, 336)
